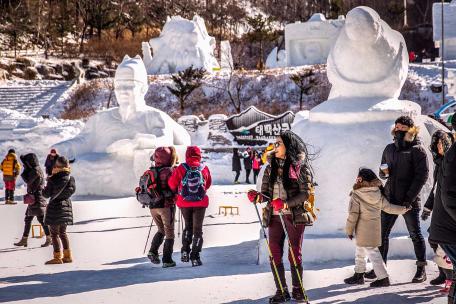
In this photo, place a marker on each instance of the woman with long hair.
(287, 182)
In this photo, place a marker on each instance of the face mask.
(399, 137)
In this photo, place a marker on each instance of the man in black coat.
(236, 164)
(50, 161)
(407, 172)
(443, 222)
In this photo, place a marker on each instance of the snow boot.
(370, 275)
(56, 260)
(22, 242)
(67, 257)
(47, 242)
(381, 283)
(296, 293)
(356, 279)
(420, 275)
(167, 259)
(440, 279)
(6, 196)
(11, 197)
(155, 244)
(185, 257)
(197, 245)
(279, 297)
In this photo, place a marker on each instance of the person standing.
(50, 161)
(191, 180)
(405, 168)
(443, 222)
(287, 181)
(59, 213)
(34, 178)
(248, 164)
(236, 164)
(256, 165)
(11, 169)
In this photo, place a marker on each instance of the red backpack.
(149, 193)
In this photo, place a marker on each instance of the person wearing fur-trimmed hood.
(406, 174)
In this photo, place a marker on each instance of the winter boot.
(420, 275)
(440, 279)
(185, 257)
(381, 283)
(67, 257)
(22, 242)
(47, 242)
(356, 279)
(167, 259)
(280, 297)
(56, 260)
(6, 196)
(155, 244)
(11, 197)
(297, 293)
(370, 275)
(197, 245)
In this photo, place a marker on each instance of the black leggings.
(238, 173)
(59, 232)
(193, 230)
(28, 223)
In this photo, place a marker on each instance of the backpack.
(148, 193)
(192, 189)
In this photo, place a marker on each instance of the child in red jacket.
(191, 180)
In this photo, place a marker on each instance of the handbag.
(29, 199)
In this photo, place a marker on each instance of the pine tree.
(305, 81)
(261, 31)
(185, 82)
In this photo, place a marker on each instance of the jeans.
(376, 259)
(277, 238)
(28, 223)
(412, 220)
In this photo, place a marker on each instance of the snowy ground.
(108, 239)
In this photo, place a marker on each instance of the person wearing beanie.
(59, 213)
(50, 161)
(11, 169)
(364, 225)
(191, 180)
(404, 166)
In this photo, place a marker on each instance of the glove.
(254, 196)
(137, 189)
(277, 204)
(425, 214)
(350, 237)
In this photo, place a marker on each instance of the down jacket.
(34, 178)
(60, 187)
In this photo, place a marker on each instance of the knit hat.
(11, 151)
(367, 174)
(62, 162)
(405, 120)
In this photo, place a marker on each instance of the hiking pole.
(271, 258)
(147, 241)
(295, 264)
(179, 224)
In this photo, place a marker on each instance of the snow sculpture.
(115, 144)
(181, 44)
(367, 68)
(369, 59)
(449, 18)
(276, 60)
(311, 41)
(226, 59)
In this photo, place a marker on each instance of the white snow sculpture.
(311, 41)
(451, 82)
(367, 69)
(181, 44)
(276, 60)
(449, 19)
(369, 59)
(114, 147)
(226, 59)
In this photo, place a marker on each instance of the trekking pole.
(179, 224)
(295, 264)
(147, 241)
(271, 258)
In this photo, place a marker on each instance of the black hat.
(405, 120)
(367, 174)
(11, 151)
(62, 161)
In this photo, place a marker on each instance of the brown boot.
(22, 242)
(47, 242)
(56, 260)
(67, 257)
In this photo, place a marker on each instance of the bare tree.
(305, 81)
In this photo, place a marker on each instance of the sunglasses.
(278, 144)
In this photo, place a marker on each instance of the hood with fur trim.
(365, 184)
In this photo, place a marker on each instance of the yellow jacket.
(10, 166)
(264, 157)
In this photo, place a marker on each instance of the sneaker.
(154, 257)
(185, 257)
(381, 283)
(280, 297)
(370, 275)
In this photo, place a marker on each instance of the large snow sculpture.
(181, 44)
(114, 147)
(367, 68)
(369, 59)
(449, 19)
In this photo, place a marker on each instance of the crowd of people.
(286, 189)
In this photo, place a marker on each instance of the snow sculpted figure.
(181, 44)
(369, 59)
(115, 143)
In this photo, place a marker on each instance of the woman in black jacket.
(34, 178)
(236, 164)
(287, 181)
(59, 213)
